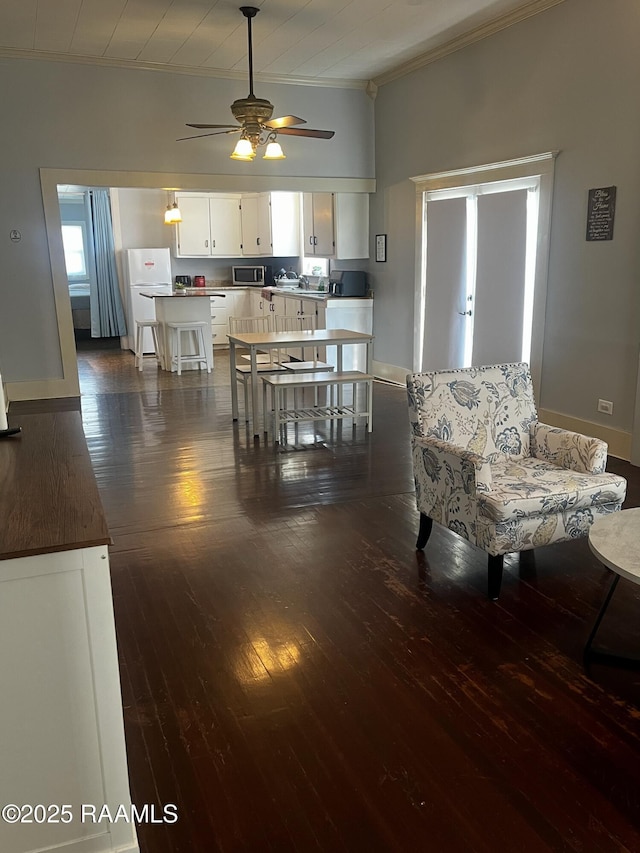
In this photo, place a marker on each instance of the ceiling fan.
(254, 114)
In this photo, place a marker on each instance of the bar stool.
(141, 325)
(176, 331)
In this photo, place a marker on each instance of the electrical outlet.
(605, 406)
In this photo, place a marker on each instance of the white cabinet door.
(256, 225)
(318, 224)
(259, 305)
(226, 229)
(242, 302)
(271, 224)
(193, 234)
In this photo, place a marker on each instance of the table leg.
(255, 415)
(339, 359)
(598, 656)
(234, 380)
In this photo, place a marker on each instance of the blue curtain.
(107, 313)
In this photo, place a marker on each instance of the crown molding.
(465, 39)
(192, 71)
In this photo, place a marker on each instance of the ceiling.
(329, 42)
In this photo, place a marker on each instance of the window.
(315, 266)
(73, 239)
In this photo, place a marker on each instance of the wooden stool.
(141, 325)
(176, 331)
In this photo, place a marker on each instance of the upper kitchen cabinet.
(336, 225)
(270, 224)
(210, 227)
(317, 224)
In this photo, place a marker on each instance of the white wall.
(565, 79)
(82, 117)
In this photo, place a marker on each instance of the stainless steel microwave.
(248, 275)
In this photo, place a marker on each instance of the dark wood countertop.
(49, 498)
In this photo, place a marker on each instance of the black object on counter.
(348, 283)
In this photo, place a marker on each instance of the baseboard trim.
(390, 372)
(618, 440)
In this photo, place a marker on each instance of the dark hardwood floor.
(296, 677)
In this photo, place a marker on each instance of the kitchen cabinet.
(270, 224)
(234, 303)
(295, 306)
(317, 221)
(336, 225)
(210, 227)
(258, 304)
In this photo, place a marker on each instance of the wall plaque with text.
(601, 213)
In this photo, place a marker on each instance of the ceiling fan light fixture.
(243, 150)
(274, 151)
(254, 117)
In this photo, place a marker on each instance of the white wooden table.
(257, 342)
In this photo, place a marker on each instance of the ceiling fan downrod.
(250, 12)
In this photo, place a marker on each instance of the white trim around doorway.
(68, 385)
(537, 165)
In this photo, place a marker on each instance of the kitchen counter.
(182, 292)
(301, 293)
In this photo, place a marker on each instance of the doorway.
(482, 246)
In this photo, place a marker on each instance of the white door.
(446, 293)
(480, 263)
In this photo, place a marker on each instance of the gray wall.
(565, 79)
(70, 116)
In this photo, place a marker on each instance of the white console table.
(61, 727)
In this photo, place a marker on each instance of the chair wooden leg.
(495, 575)
(424, 533)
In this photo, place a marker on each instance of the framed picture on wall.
(381, 247)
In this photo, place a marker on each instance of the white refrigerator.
(144, 269)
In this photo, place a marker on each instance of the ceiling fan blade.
(215, 133)
(284, 121)
(306, 131)
(207, 126)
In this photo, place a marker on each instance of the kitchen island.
(188, 305)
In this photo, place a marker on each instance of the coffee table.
(615, 540)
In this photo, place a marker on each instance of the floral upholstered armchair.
(487, 469)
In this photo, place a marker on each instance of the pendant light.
(172, 214)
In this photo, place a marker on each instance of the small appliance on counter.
(348, 283)
(261, 276)
(183, 280)
(199, 281)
